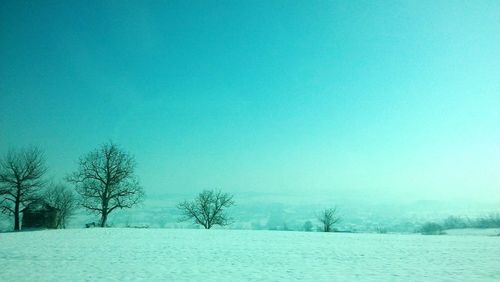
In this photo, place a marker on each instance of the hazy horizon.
(386, 101)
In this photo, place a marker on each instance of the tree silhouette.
(207, 209)
(21, 174)
(106, 181)
(328, 217)
(64, 200)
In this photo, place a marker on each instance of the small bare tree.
(327, 218)
(64, 200)
(21, 174)
(207, 209)
(106, 181)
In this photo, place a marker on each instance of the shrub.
(432, 228)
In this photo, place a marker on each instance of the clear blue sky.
(369, 97)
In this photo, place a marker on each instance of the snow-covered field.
(474, 232)
(231, 255)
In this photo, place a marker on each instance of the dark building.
(40, 215)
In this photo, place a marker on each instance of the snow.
(232, 255)
(474, 232)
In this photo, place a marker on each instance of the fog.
(291, 108)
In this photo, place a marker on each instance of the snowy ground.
(230, 255)
(474, 232)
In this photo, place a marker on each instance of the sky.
(360, 98)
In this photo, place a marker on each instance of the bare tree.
(64, 200)
(21, 174)
(207, 209)
(328, 217)
(106, 181)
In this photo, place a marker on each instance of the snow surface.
(232, 255)
(474, 232)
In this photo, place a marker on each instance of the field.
(231, 255)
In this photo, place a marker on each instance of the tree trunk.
(59, 221)
(104, 211)
(17, 226)
(104, 218)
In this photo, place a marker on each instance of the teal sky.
(388, 98)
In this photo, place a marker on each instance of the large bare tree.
(207, 209)
(21, 178)
(64, 200)
(327, 218)
(106, 181)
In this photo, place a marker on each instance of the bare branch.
(64, 200)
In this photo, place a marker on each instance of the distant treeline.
(457, 222)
